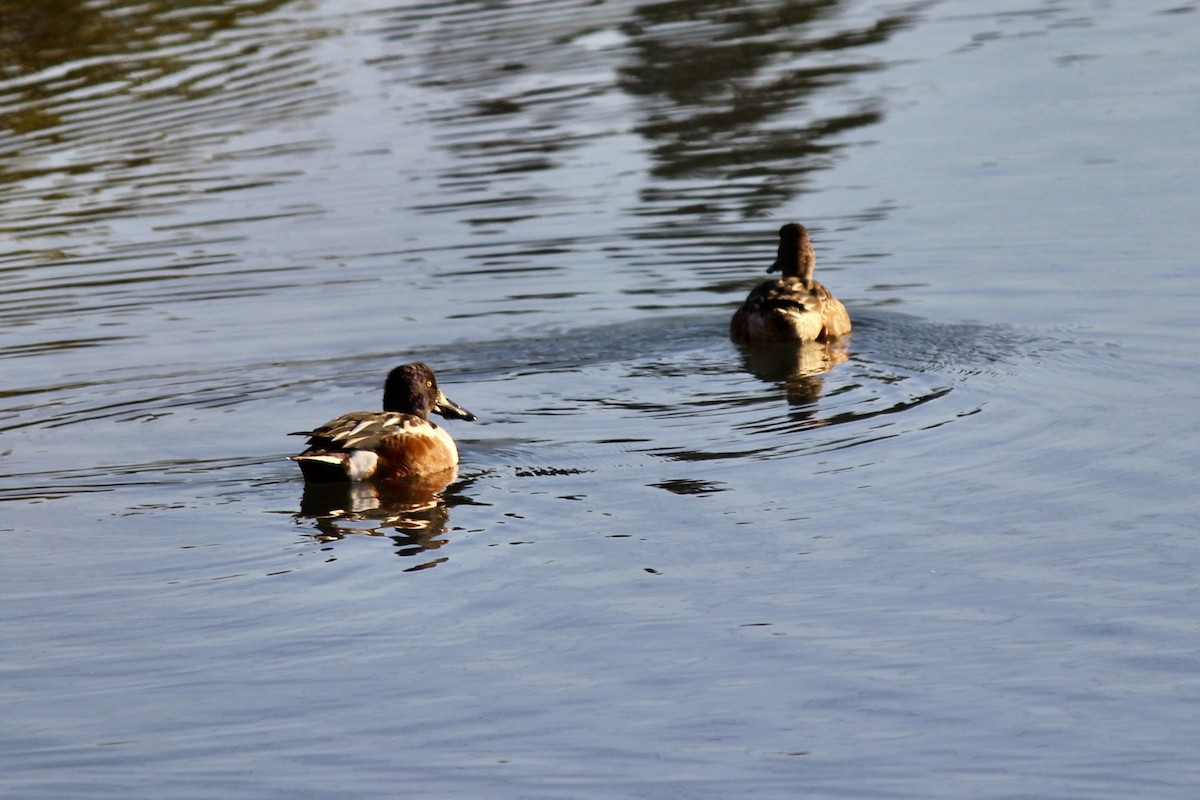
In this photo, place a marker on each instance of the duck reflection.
(798, 366)
(414, 513)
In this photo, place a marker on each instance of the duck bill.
(450, 409)
(777, 265)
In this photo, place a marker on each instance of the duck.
(397, 443)
(793, 308)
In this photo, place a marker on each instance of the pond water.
(954, 556)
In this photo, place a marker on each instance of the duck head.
(796, 258)
(413, 389)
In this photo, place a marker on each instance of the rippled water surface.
(954, 556)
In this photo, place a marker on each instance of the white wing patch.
(361, 464)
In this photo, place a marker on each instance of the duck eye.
(429, 384)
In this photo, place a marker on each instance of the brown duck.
(794, 308)
(399, 442)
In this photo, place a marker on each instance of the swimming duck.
(794, 308)
(398, 442)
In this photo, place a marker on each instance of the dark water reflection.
(57, 32)
(117, 119)
(725, 93)
(722, 84)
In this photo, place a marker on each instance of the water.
(954, 557)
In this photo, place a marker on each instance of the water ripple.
(579, 401)
(117, 117)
